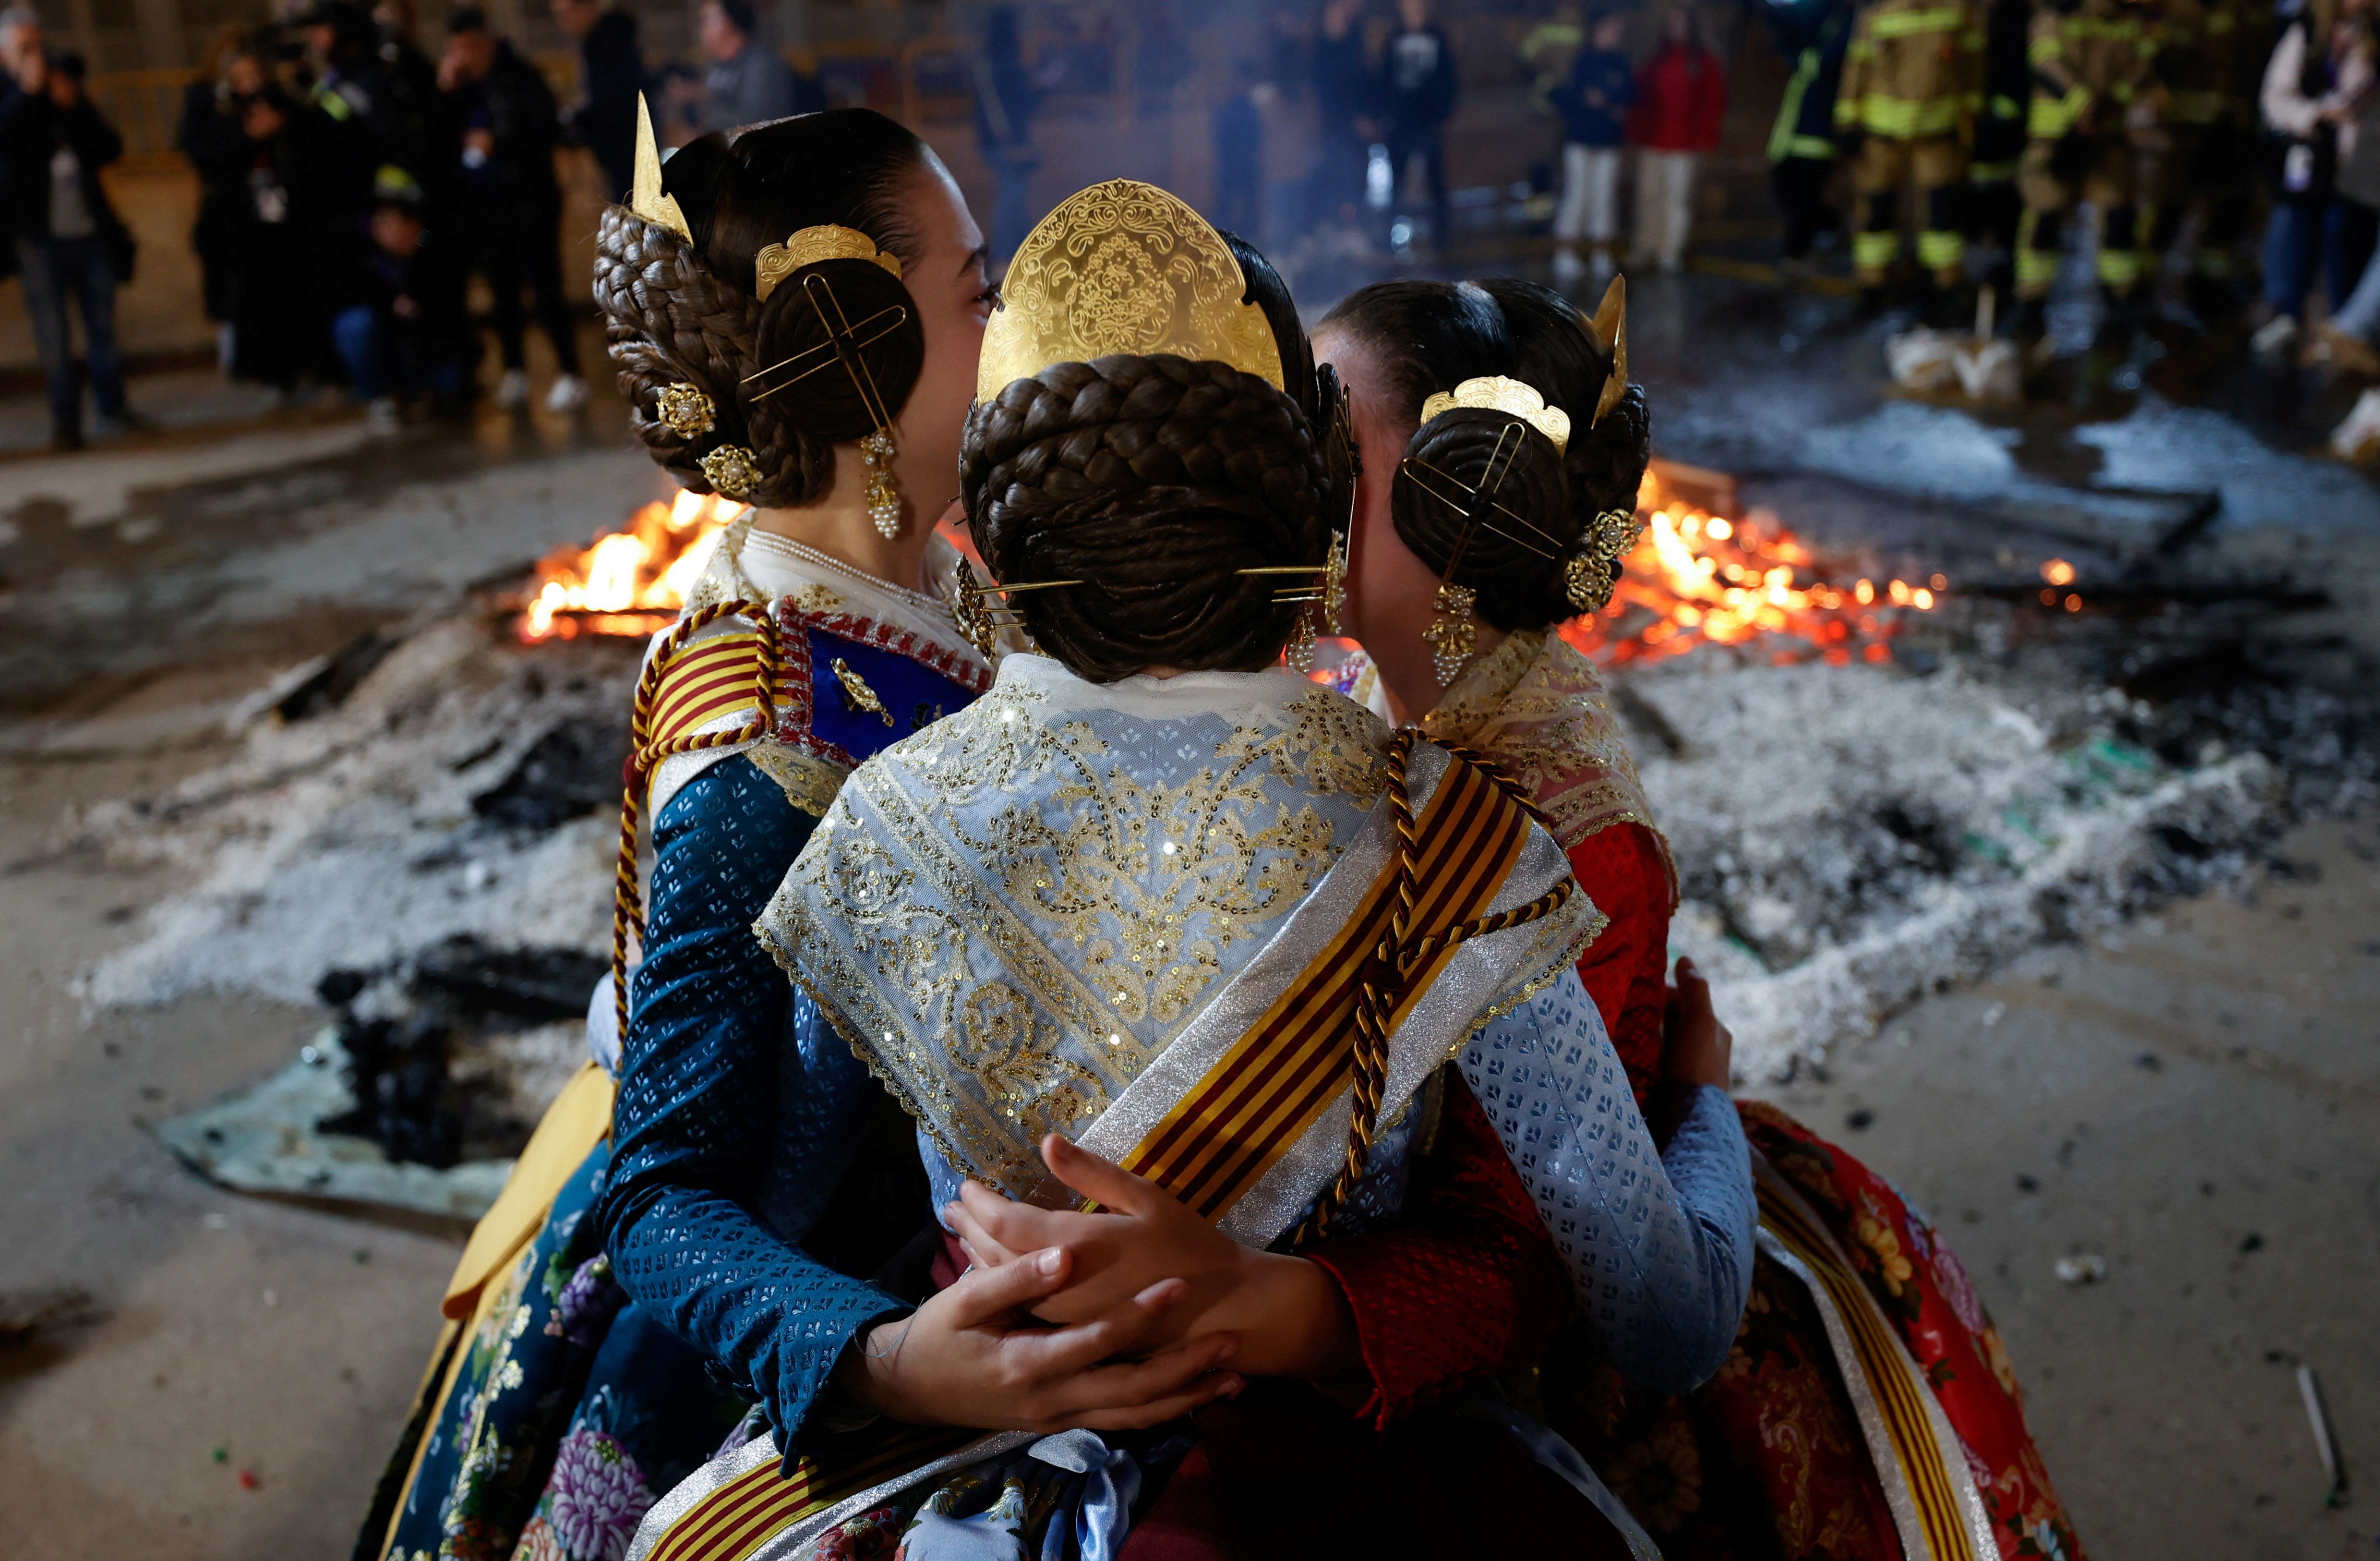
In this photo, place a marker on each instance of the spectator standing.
(1418, 88)
(611, 78)
(265, 158)
(498, 136)
(1594, 102)
(69, 244)
(1813, 34)
(1007, 96)
(350, 92)
(1681, 98)
(2313, 87)
(208, 135)
(1343, 102)
(749, 83)
(411, 82)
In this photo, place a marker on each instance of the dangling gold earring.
(1298, 654)
(1334, 585)
(1451, 636)
(884, 493)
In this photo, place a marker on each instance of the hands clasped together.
(1112, 1321)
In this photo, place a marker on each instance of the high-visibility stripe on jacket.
(1914, 69)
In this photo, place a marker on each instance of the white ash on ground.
(466, 786)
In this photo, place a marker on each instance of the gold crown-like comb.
(1124, 268)
(825, 242)
(1497, 393)
(1609, 329)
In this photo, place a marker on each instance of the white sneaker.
(511, 391)
(569, 394)
(381, 419)
(2274, 336)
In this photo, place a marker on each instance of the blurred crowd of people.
(352, 186)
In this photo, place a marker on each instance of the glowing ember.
(1698, 577)
(630, 582)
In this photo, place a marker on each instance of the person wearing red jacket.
(1681, 95)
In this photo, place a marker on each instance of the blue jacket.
(1594, 101)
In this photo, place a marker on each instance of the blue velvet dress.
(573, 1405)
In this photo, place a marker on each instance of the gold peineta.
(825, 242)
(1497, 393)
(1124, 268)
(1610, 330)
(645, 197)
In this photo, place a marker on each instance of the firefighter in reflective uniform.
(1999, 128)
(2093, 116)
(1911, 82)
(1813, 34)
(2200, 60)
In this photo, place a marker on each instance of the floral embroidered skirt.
(572, 1411)
(1767, 1459)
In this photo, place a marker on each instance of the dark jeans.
(523, 249)
(1800, 184)
(2337, 235)
(387, 355)
(56, 270)
(1428, 143)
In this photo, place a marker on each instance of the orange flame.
(629, 582)
(1697, 577)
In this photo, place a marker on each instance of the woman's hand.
(1698, 1048)
(1287, 1314)
(962, 1360)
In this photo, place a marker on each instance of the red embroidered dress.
(1771, 1456)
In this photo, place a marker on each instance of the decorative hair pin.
(1587, 579)
(685, 411)
(1497, 393)
(843, 343)
(645, 197)
(732, 470)
(981, 621)
(1452, 634)
(1609, 329)
(825, 242)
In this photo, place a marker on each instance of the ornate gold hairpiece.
(1497, 393)
(1124, 268)
(825, 242)
(645, 197)
(979, 622)
(1609, 327)
(1588, 578)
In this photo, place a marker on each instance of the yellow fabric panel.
(572, 1126)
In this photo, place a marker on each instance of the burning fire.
(630, 582)
(1698, 577)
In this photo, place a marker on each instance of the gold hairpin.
(1609, 327)
(645, 197)
(981, 622)
(825, 242)
(1588, 578)
(901, 317)
(1411, 462)
(1453, 634)
(1497, 393)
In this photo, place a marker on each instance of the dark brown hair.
(683, 312)
(1154, 480)
(1429, 336)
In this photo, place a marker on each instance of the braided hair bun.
(687, 313)
(1430, 337)
(1153, 480)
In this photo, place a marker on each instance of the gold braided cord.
(628, 903)
(1400, 954)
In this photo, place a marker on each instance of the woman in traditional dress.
(1166, 950)
(796, 311)
(1868, 1408)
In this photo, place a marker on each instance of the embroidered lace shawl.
(1015, 913)
(1541, 709)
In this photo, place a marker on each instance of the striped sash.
(710, 678)
(1918, 1457)
(1278, 1084)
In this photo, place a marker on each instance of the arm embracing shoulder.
(1660, 1247)
(699, 1123)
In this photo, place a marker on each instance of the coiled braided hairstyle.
(1429, 336)
(686, 312)
(1153, 480)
